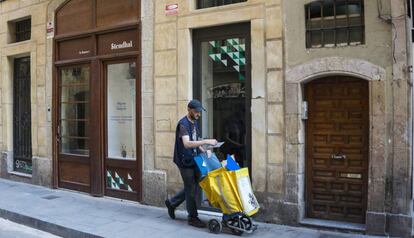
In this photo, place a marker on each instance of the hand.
(211, 142)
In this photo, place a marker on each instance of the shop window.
(20, 30)
(331, 23)
(215, 3)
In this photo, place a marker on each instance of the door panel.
(337, 148)
(121, 137)
(74, 130)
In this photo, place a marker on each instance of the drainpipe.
(410, 62)
(410, 59)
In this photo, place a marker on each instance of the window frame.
(335, 28)
(217, 3)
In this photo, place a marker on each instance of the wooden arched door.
(337, 145)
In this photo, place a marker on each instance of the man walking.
(187, 146)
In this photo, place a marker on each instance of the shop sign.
(76, 48)
(123, 45)
(171, 9)
(118, 42)
(50, 30)
(84, 52)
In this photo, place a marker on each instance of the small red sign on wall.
(171, 9)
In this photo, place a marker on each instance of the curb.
(45, 226)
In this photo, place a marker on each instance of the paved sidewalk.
(70, 214)
(10, 229)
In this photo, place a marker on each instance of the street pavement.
(72, 214)
(10, 229)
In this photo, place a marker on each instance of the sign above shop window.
(171, 9)
(118, 42)
(76, 48)
(123, 45)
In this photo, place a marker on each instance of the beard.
(194, 116)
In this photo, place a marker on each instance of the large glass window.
(223, 92)
(331, 23)
(74, 110)
(121, 111)
(215, 3)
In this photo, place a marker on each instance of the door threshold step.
(333, 224)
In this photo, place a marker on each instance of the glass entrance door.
(73, 127)
(121, 134)
(222, 84)
(223, 92)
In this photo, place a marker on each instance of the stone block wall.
(382, 60)
(11, 11)
(174, 86)
(281, 65)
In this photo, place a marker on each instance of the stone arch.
(295, 79)
(335, 66)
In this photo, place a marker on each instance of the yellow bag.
(245, 191)
(231, 191)
(221, 191)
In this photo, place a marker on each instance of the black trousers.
(191, 177)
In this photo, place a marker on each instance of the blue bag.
(231, 164)
(206, 164)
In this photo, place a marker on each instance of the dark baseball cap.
(195, 104)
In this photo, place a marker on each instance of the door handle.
(338, 156)
(58, 134)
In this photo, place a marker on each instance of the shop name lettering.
(121, 46)
(84, 52)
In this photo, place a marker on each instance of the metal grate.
(215, 3)
(22, 123)
(410, 10)
(331, 23)
(23, 30)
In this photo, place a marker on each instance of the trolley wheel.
(215, 226)
(248, 223)
(236, 222)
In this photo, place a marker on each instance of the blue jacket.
(183, 157)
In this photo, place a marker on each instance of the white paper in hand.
(218, 145)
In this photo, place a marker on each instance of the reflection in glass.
(74, 145)
(223, 94)
(74, 110)
(72, 93)
(121, 111)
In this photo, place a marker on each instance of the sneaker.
(171, 209)
(194, 221)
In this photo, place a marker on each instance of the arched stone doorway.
(97, 97)
(337, 148)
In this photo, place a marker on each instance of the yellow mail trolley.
(232, 193)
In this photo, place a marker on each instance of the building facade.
(314, 97)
